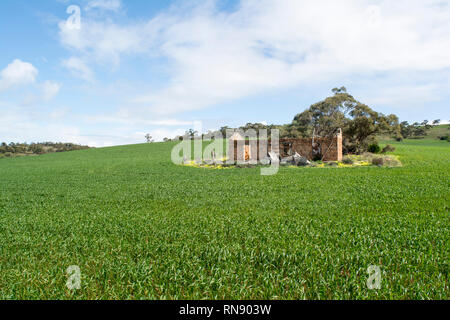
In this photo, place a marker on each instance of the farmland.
(140, 227)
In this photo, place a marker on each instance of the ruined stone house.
(241, 148)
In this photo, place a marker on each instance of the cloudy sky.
(137, 66)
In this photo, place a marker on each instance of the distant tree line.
(23, 149)
(416, 129)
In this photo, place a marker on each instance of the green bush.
(391, 162)
(378, 161)
(388, 148)
(332, 164)
(347, 160)
(374, 148)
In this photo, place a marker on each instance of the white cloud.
(395, 96)
(17, 73)
(47, 91)
(59, 113)
(56, 126)
(104, 42)
(121, 118)
(50, 89)
(123, 136)
(21, 74)
(113, 5)
(160, 134)
(79, 69)
(265, 45)
(32, 126)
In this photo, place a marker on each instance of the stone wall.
(328, 148)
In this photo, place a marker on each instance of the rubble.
(300, 160)
(274, 158)
(295, 160)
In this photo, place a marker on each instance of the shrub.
(245, 165)
(388, 148)
(444, 138)
(399, 139)
(332, 164)
(347, 160)
(392, 162)
(374, 148)
(378, 161)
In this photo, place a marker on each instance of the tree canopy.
(359, 123)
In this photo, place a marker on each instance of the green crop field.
(140, 227)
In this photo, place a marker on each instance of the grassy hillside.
(433, 133)
(140, 227)
(439, 131)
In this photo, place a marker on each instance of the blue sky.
(157, 66)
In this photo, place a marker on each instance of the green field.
(140, 227)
